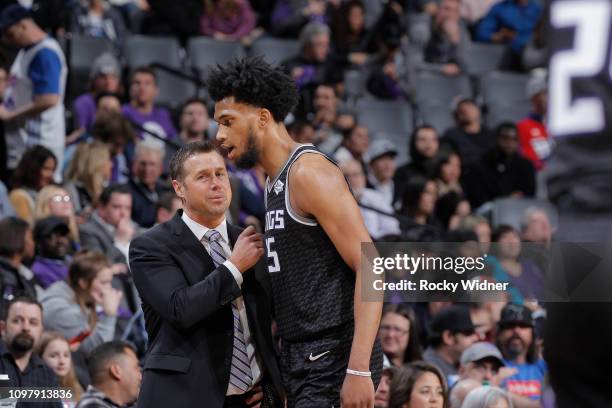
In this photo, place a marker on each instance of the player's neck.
(279, 147)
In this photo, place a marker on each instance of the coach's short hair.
(253, 81)
(178, 159)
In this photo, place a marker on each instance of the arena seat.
(505, 88)
(385, 116)
(431, 87)
(483, 58)
(144, 50)
(274, 50)
(205, 52)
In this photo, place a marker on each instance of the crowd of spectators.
(85, 172)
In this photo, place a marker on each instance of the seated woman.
(447, 172)
(71, 308)
(89, 171)
(399, 335)
(418, 385)
(418, 204)
(525, 277)
(55, 201)
(55, 352)
(487, 397)
(34, 171)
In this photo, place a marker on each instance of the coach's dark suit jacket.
(187, 306)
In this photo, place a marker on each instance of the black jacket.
(188, 315)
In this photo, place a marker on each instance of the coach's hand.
(357, 392)
(247, 250)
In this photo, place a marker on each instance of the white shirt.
(378, 225)
(199, 231)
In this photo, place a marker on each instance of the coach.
(205, 301)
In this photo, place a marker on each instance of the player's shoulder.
(315, 168)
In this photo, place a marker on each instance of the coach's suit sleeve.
(162, 285)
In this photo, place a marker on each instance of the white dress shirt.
(199, 231)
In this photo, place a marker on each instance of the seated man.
(21, 328)
(510, 22)
(144, 184)
(167, 205)
(110, 228)
(52, 237)
(142, 110)
(115, 376)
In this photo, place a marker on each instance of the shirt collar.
(200, 230)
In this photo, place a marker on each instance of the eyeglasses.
(59, 198)
(392, 329)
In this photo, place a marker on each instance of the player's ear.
(265, 117)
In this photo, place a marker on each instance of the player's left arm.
(318, 189)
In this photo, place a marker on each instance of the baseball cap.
(13, 14)
(515, 314)
(49, 225)
(479, 351)
(381, 147)
(105, 64)
(454, 318)
(536, 82)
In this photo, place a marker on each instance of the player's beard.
(251, 155)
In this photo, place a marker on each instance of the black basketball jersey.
(313, 287)
(580, 104)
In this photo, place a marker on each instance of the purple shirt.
(85, 110)
(158, 121)
(237, 25)
(48, 271)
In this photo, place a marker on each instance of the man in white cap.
(484, 363)
(381, 156)
(534, 142)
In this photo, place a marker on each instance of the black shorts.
(314, 371)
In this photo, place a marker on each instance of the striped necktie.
(241, 375)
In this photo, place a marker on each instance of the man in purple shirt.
(142, 110)
(105, 77)
(51, 235)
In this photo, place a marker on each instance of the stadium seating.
(437, 88)
(173, 91)
(509, 211)
(385, 116)
(275, 50)
(497, 114)
(81, 54)
(144, 50)
(504, 88)
(205, 51)
(483, 58)
(437, 115)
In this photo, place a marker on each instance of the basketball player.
(314, 232)
(578, 335)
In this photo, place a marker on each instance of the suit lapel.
(193, 249)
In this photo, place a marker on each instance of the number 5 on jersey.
(273, 266)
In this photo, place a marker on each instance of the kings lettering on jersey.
(275, 220)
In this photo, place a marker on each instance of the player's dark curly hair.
(253, 81)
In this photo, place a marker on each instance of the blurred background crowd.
(435, 110)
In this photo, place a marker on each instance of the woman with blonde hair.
(89, 172)
(55, 200)
(55, 352)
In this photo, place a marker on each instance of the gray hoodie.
(61, 313)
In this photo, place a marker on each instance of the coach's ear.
(178, 189)
(265, 117)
